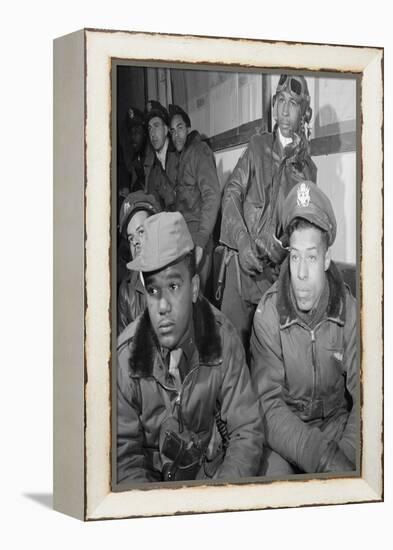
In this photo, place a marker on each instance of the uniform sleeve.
(288, 435)
(131, 463)
(209, 187)
(233, 226)
(350, 435)
(240, 410)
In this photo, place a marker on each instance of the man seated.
(198, 194)
(131, 299)
(303, 348)
(131, 149)
(161, 157)
(185, 407)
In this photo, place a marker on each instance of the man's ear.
(195, 287)
(327, 259)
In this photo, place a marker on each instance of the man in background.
(197, 188)
(131, 150)
(136, 208)
(161, 156)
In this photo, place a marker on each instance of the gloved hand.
(269, 245)
(334, 460)
(249, 262)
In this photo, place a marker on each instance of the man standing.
(136, 208)
(197, 188)
(161, 157)
(303, 348)
(269, 168)
(185, 408)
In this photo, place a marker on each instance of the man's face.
(136, 232)
(288, 114)
(179, 132)
(137, 135)
(170, 294)
(157, 132)
(308, 261)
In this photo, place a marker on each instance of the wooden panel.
(338, 143)
(237, 136)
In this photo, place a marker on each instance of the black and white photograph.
(197, 255)
(235, 198)
(220, 347)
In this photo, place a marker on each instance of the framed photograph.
(293, 120)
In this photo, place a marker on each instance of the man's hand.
(198, 255)
(269, 245)
(247, 258)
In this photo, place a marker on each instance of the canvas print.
(237, 321)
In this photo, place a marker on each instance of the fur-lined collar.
(193, 137)
(336, 305)
(207, 339)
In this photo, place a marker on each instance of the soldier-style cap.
(134, 117)
(177, 110)
(154, 108)
(167, 239)
(309, 202)
(134, 202)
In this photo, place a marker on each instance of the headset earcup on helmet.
(307, 114)
(275, 107)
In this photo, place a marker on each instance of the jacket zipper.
(180, 395)
(314, 364)
(179, 398)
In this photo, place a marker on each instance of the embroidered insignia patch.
(303, 195)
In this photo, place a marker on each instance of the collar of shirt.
(161, 155)
(284, 140)
(178, 360)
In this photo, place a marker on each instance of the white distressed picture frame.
(82, 255)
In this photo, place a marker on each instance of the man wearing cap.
(161, 158)
(197, 188)
(132, 138)
(136, 208)
(303, 348)
(185, 408)
(270, 167)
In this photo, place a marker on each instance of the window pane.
(217, 101)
